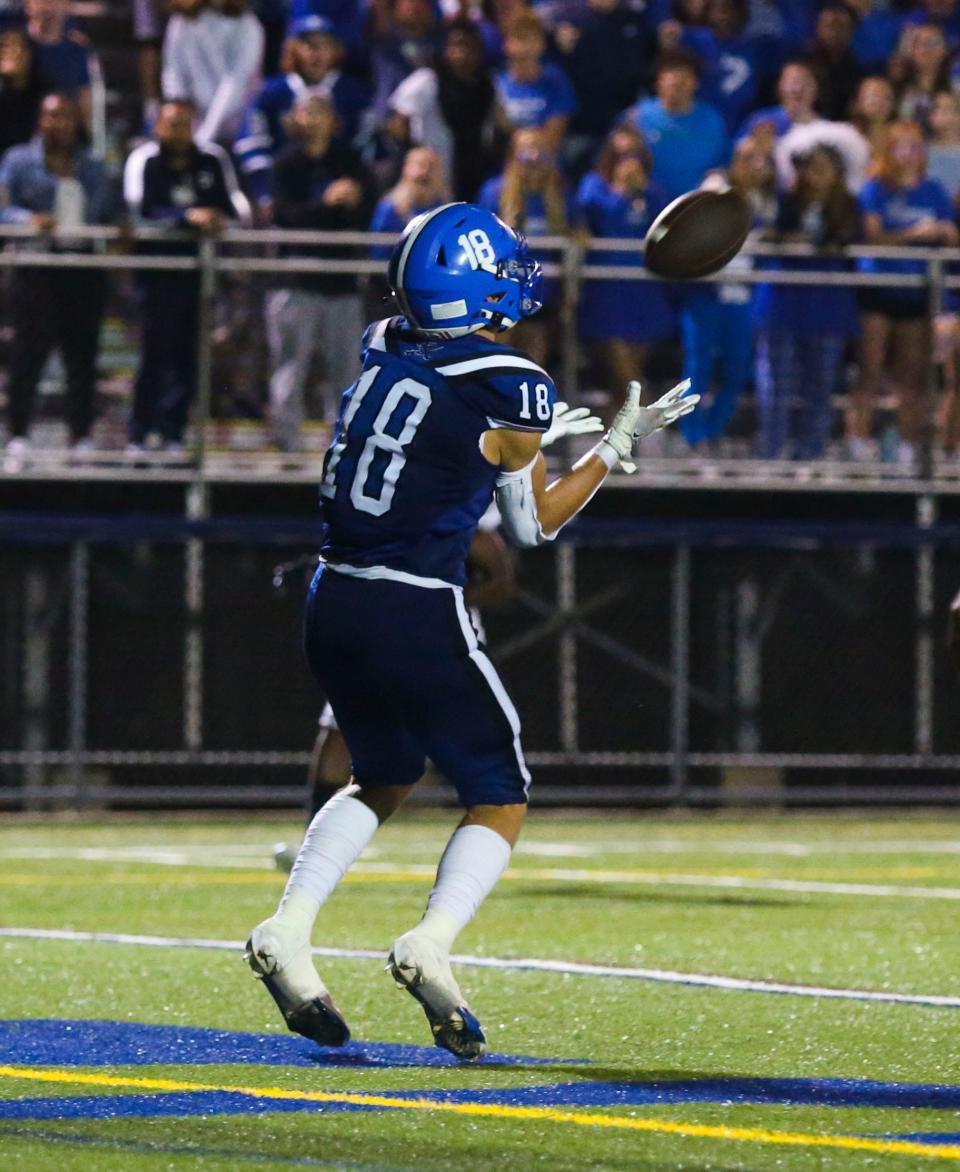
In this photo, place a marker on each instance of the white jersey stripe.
(491, 362)
(409, 243)
(489, 672)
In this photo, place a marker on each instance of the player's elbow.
(517, 503)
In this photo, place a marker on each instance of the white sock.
(474, 860)
(334, 840)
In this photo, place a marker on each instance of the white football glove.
(570, 421)
(632, 422)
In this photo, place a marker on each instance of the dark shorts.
(891, 305)
(407, 679)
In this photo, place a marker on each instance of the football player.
(443, 418)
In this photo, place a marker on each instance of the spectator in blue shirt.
(807, 328)
(943, 14)
(900, 206)
(53, 184)
(420, 188)
(797, 91)
(311, 61)
(532, 92)
(531, 196)
(621, 319)
(731, 59)
(612, 32)
(61, 54)
(877, 32)
(687, 136)
(717, 320)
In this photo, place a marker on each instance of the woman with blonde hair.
(901, 205)
(531, 196)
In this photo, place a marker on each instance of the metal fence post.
(924, 642)
(198, 503)
(566, 602)
(935, 289)
(572, 265)
(680, 671)
(207, 260)
(77, 666)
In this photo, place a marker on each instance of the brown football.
(697, 234)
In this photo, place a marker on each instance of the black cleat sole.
(463, 1038)
(319, 1019)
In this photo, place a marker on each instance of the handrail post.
(207, 264)
(935, 287)
(572, 264)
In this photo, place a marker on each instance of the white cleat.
(284, 856)
(281, 959)
(420, 967)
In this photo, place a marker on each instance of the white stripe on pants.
(300, 324)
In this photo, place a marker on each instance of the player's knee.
(383, 800)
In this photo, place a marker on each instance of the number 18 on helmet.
(459, 268)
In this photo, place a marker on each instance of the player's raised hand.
(569, 420)
(633, 422)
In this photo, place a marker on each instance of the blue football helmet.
(459, 268)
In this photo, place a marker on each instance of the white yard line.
(524, 964)
(189, 854)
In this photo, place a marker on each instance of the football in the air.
(697, 234)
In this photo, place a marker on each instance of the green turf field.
(150, 1054)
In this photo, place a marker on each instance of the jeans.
(796, 375)
(715, 334)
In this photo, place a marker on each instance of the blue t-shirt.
(608, 213)
(386, 218)
(731, 72)
(405, 482)
(62, 67)
(899, 209)
(532, 103)
(875, 38)
(685, 146)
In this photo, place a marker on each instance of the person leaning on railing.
(901, 205)
(173, 183)
(52, 184)
(807, 329)
(318, 183)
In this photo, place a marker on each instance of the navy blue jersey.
(405, 482)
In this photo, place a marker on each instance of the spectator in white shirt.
(450, 108)
(212, 56)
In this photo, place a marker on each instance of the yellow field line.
(502, 1111)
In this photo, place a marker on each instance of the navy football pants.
(407, 680)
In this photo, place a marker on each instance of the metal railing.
(256, 252)
(68, 774)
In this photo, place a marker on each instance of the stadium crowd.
(839, 122)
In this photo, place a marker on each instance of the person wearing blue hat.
(311, 62)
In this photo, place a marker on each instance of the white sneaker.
(284, 856)
(419, 966)
(16, 454)
(82, 450)
(862, 450)
(280, 957)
